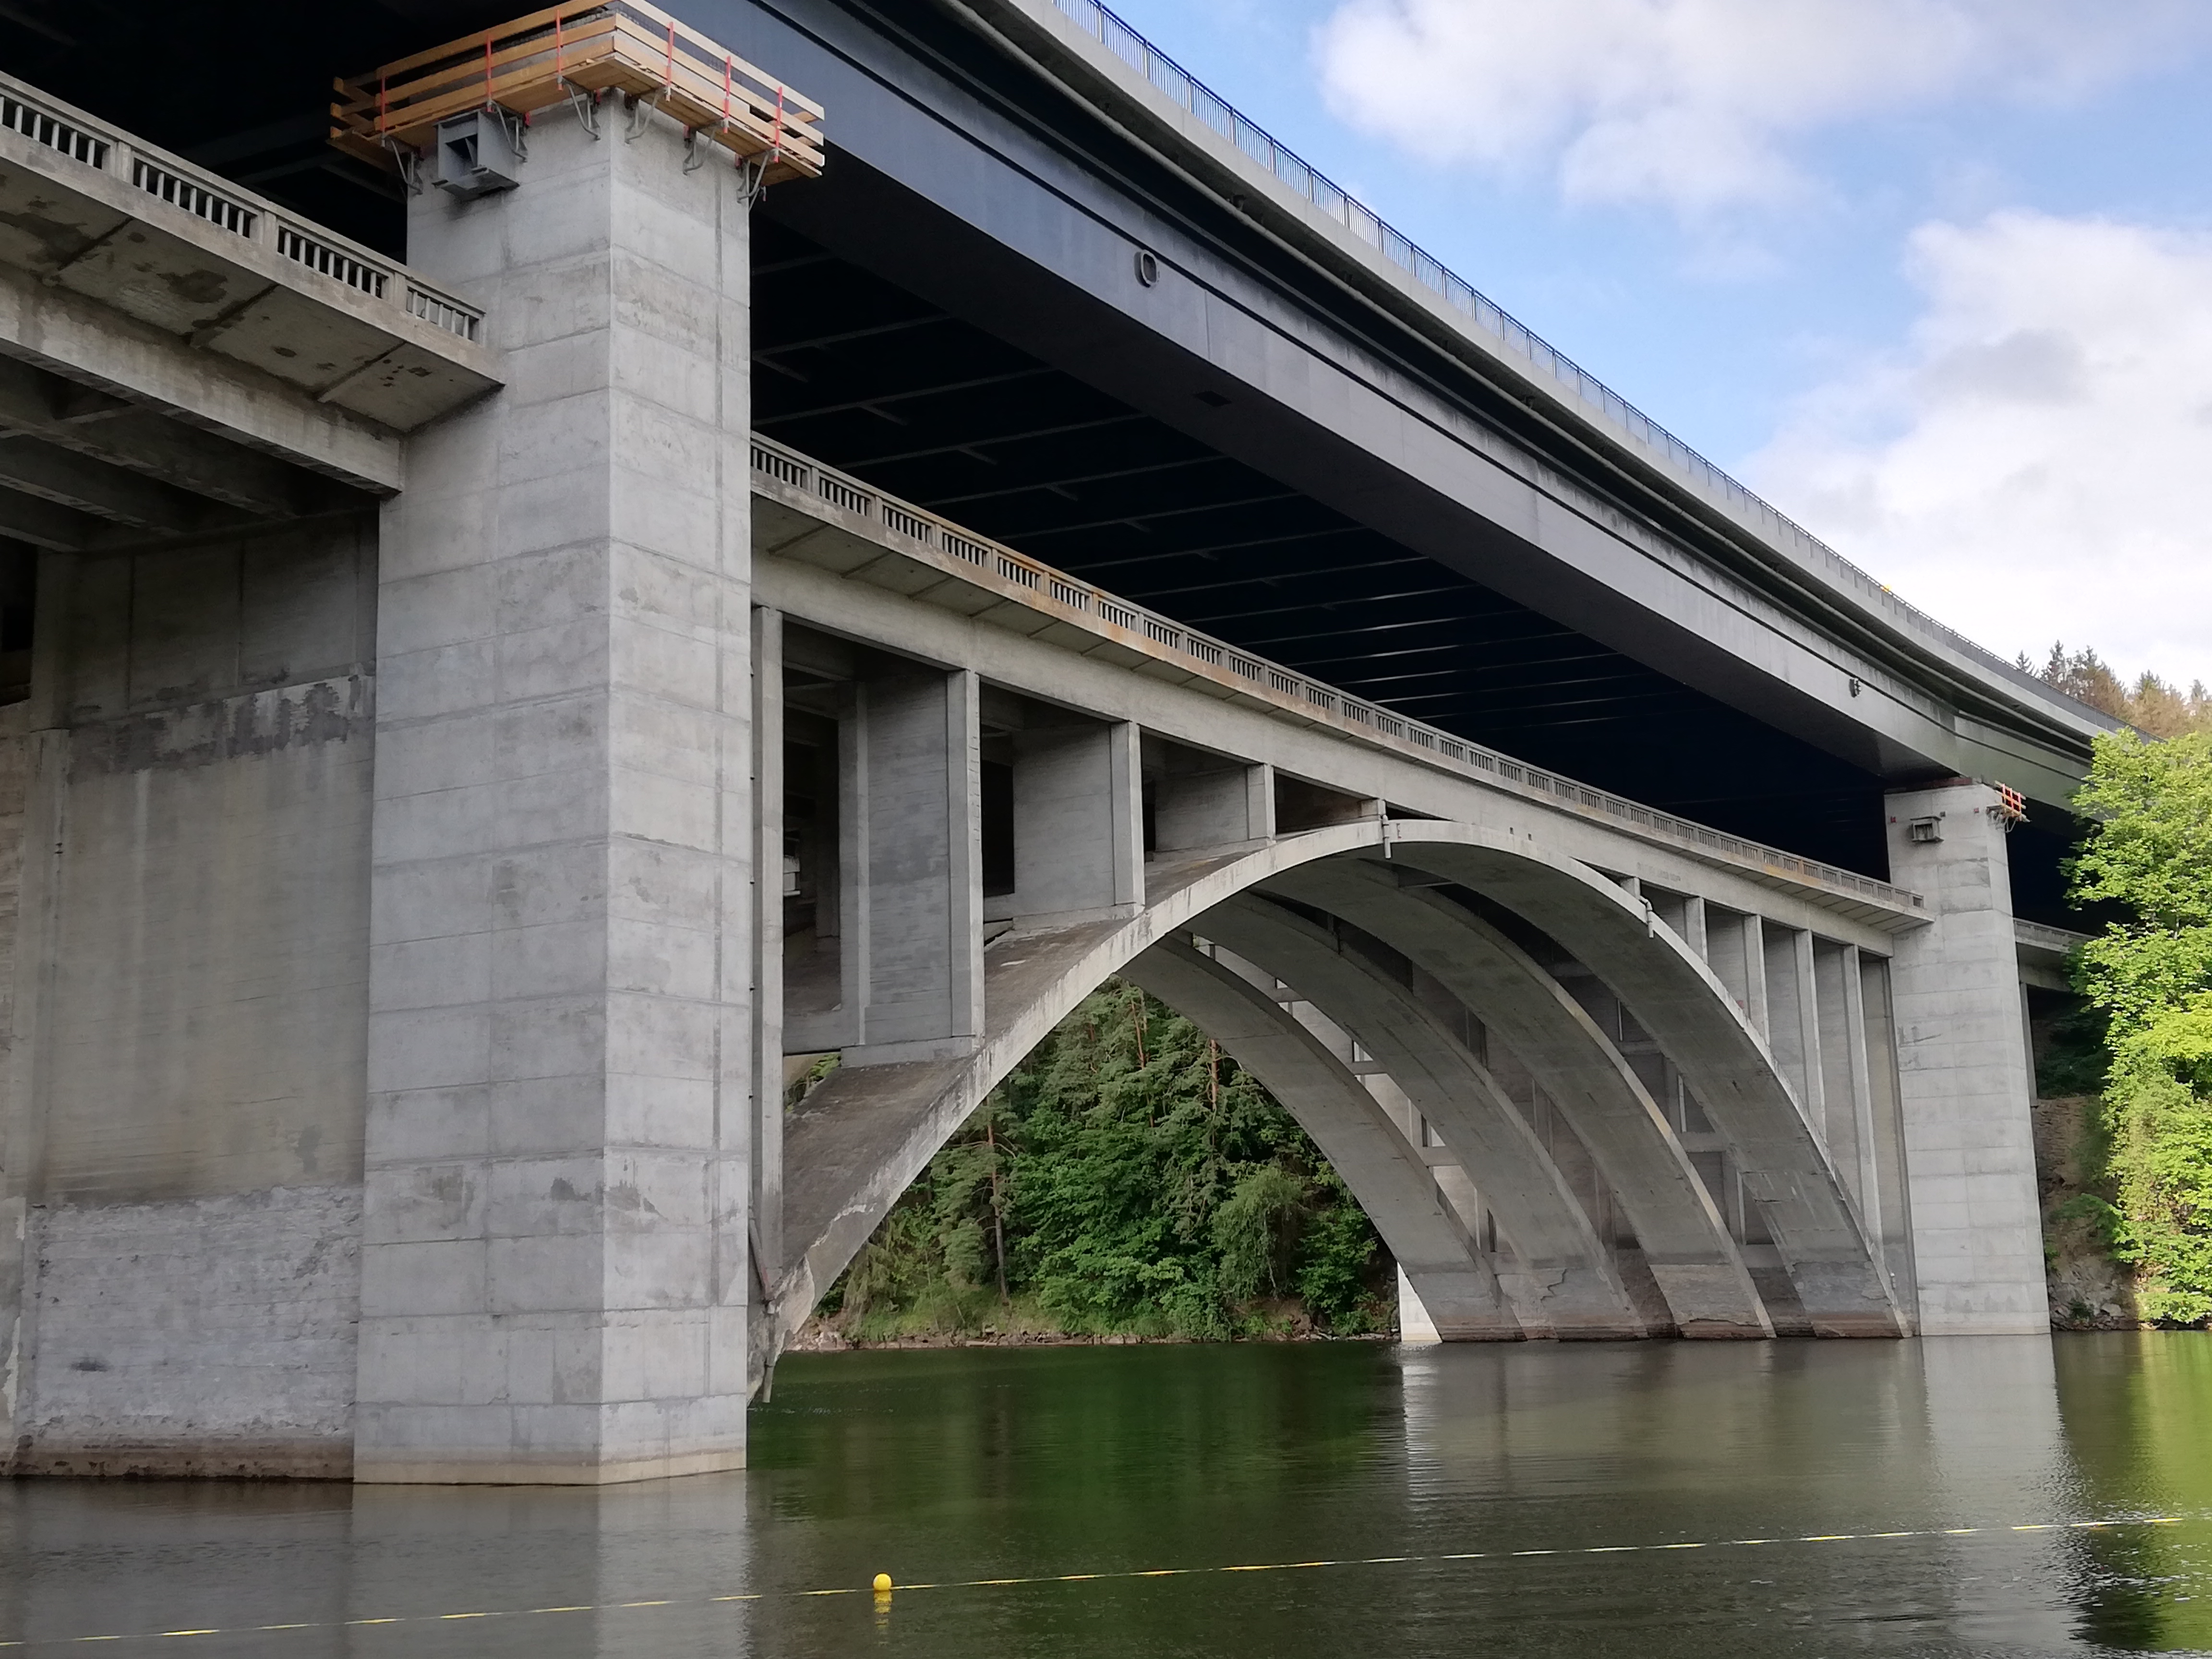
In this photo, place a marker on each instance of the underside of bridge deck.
(930, 400)
(931, 406)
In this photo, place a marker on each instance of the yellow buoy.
(883, 1584)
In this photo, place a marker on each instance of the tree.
(2153, 705)
(1126, 1178)
(2150, 849)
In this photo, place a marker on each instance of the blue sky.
(1934, 275)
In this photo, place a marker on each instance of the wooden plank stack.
(568, 54)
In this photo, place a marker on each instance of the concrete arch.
(862, 1138)
(1698, 1267)
(1676, 998)
(1565, 1283)
(1447, 1267)
(859, 1140)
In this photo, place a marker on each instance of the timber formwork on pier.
(577, 55)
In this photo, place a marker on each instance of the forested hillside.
(2150, 705)
(2144, 1042)
(1128, 1179)
(2128, 1181)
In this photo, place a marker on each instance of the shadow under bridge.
(1387, 982)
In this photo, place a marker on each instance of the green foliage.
(1338, 1255)
(2159, 1103)
(2076, 1058)
(2135, 971)
(2153, 846)
(2151, 850)
(1128, 1178)
(1256, 1230)
(2151, 705)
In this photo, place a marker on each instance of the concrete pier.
(1963, 1069)
(183, 1122)
(555, 1277)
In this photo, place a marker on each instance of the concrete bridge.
(482, 719)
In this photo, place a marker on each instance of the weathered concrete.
(1884, 1202)
(874, 604)
(1211, 805)
(204, 1336)
(765, 1240)
(555, 1276)
(1962, 1066)
(854, 1145)
(1079, 825)
(1356, 398)
(314, 348)
(182, 1131)
(422, 1121)
(911, 885)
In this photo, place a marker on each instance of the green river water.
(1483, 1500)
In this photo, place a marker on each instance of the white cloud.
(1692, 102)
(2034, 463)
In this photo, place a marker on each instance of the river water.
(1524, 1500)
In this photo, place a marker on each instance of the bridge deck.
(89, 209)
(916, 553)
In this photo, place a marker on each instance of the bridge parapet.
(994, 583)
(91, 212)
(2046, 954)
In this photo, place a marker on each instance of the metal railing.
(962, 554)
(217, 203)
(1306, 182)
(577, 52)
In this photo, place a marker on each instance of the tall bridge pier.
(465, 756)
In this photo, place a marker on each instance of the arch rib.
(1674, 996)
(1566, 1280)
(861, 1137)
(1449, 1273)
(860, 1140)
(1698, 1267)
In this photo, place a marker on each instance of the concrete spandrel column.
(1883, 1135)
(1217, 808)
(912, 867)
(1841, 1029)
(1736, 952)
(1078, 825)
(1693, 925)
(1792, 1025)
(1964, 1086)
(560, 1043)
(766, 1242)
(1756, 981)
